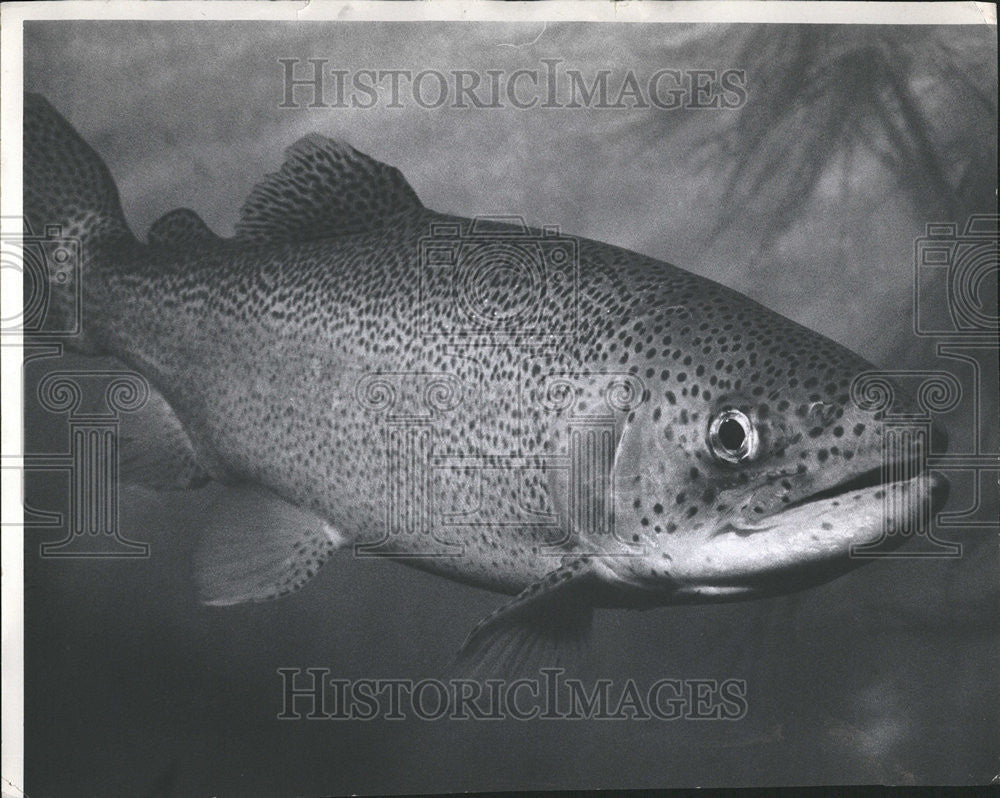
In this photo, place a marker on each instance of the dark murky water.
(889, 674)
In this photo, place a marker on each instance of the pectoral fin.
(156, 452)
(546, 625)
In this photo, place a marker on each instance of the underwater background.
(809, 199)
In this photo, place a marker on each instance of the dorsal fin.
(324, 188)
(180, 227)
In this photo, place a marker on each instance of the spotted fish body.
(525, 411)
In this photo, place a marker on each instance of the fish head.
(751, 471)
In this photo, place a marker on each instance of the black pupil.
(731, 434)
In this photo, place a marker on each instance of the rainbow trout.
(533, 413)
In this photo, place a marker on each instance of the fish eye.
(732, 437)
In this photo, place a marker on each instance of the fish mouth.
(914, 486)
(885, 475)
(872, 478)
(872, 482)
(816, 538)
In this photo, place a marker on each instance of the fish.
(556, 419)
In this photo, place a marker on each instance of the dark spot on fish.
(827, 526)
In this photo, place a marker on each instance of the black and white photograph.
(476, 396)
